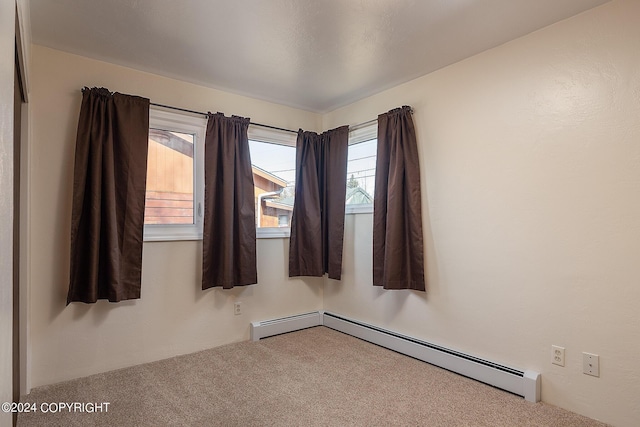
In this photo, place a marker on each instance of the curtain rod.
(363, 124)
(351, 127)
(206, 114)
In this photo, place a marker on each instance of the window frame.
(357, 135)
(189, 124)
(278, 137)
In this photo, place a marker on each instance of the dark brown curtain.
(317, 226)
(229, 240)
(398, 255)
(109, 182)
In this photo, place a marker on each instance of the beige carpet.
(314, 377)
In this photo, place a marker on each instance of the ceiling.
(316, 55)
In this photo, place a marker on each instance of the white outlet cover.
(557, 355)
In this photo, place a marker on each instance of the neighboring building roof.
(286, 203)
(358, 196)
(276, 205)
(355, 196)
(269, 176)
(171, 140)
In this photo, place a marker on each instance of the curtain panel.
(317, 225)
(107, 218)
(229, 237)
(398, 254)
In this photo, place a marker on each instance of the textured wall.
(174, 316)
(530, 157)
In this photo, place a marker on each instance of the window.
(273, 161)
(284, 220)
(273, 158)
(361, 169)
(169, 197)
(175, 177)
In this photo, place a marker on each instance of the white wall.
(174, 316)
(530, 157)
(7, 43)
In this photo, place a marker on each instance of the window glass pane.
(361, 172)
(274, 172)
(169, 196)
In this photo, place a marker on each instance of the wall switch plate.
(591, 364)
(557, 355)
(237, 308)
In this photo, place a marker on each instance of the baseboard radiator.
(522, 383)
(273, 327)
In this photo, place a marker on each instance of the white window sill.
(171, 232)
(365, 208)
(261, 233)
(171, 237)
(285, 232)
(273, 232)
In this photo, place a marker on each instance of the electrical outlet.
(557, 355)
(237, 308)
(591, 364)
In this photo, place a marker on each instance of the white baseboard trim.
(522, 383)
(273, 327)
